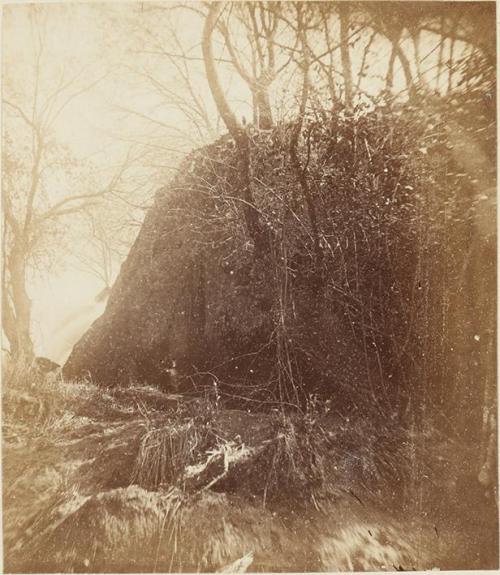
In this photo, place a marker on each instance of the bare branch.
(57, 209)
(51, 118)
(20, 111)
(232, 53)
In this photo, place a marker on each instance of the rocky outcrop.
(188, 291)
(193, 292)
(357, 303)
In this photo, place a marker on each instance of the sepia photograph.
(249, 286)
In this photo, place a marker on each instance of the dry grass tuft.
(164, 453)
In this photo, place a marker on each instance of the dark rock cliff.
(401, 219)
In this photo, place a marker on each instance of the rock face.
(177, 297)
(349, 305)
(193, 292)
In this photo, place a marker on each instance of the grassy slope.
(136, 480)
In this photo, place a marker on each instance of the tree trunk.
(389, 79)
(250, 212)
(299, 169)
(412, 90)
(440, 55)
(264, 112)
(450, 65)
(9, 322)
(415, 36)
(345, 53)
(17, 316)
(232, 124)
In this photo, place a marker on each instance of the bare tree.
(164, 51)
(250, 211)
(260, 22)
(392, 27)
(28, 215)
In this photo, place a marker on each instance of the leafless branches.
(28, 212)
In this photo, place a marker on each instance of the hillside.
(274, 404)
(134, 480)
